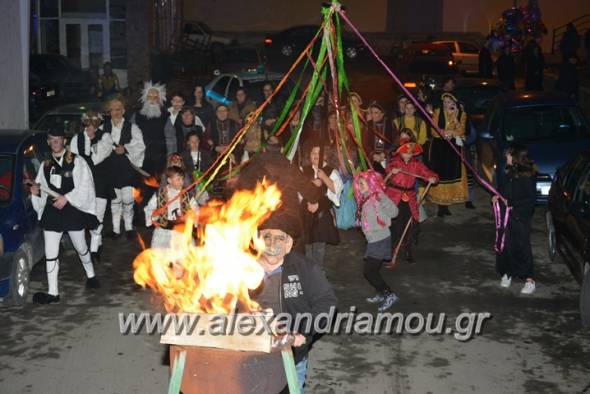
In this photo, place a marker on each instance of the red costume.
(402, 187)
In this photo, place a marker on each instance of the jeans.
(301, 368)
(316, 252)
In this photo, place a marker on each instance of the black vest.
(66, 171)
(125, 131)
(81, 145)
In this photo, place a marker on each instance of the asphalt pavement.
(531, 344)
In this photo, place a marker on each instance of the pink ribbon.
(501, 226)
(432, 123)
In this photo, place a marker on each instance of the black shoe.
(92, 283)
(113, 235)
(130, 234)
(44, 298)
(410, 257)
(443, 210)
(469, 205)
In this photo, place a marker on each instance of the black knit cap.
(56, 132)
(283, 220)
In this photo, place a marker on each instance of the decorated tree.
(517, 26)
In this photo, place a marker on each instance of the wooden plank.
(242, 332)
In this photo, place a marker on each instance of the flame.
(137, 195)
(152, 181)
(213, 276)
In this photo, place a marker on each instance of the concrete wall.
(275, 15)
(482, 15)
(14, 64)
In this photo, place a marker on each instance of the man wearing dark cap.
(292, 283)
(66, 178)
(276, 168)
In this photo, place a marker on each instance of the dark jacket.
(521, 193)
(191, 166)
(304, 289)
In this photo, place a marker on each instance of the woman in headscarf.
(441, 158)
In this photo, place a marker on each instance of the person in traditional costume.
(409, 120)
(175, 213)
(402, 170)
(109, 82)
(375, 214)
(63, 197)
(379, 137)
(128, 152)
(318, 218)
(151, 120)
(441, 158)
(95, 145)
(518, 186)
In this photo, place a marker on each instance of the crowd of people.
(160, 150)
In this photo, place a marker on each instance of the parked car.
(289, 43)
(222, 89)
(21, 238)
(72, 82)
(67, 117)
(427, 64)
(465, 55)
(241, 58)
(552, 126)
(42, 96)
(568, 223)
(199, 37)
(476, 94)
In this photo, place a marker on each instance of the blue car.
(552, 126)
(21, 238)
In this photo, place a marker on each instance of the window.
(6, 177)
(117, 9)
(234, 84)
(71, 123)
(574, 174)
(220, 86)
(83, 7)
(468, 48)
(543, 123)
(49, 36)
(118, 44)
(49, 8)
(582, 186)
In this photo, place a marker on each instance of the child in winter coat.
(518, 186)
(375, 212)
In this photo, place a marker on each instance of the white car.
(465, 55)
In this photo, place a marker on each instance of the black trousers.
(399, 224)
(372, 275)
(517, 257)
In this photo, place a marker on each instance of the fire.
(215, 275)
(152, 181)
(137, 196)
